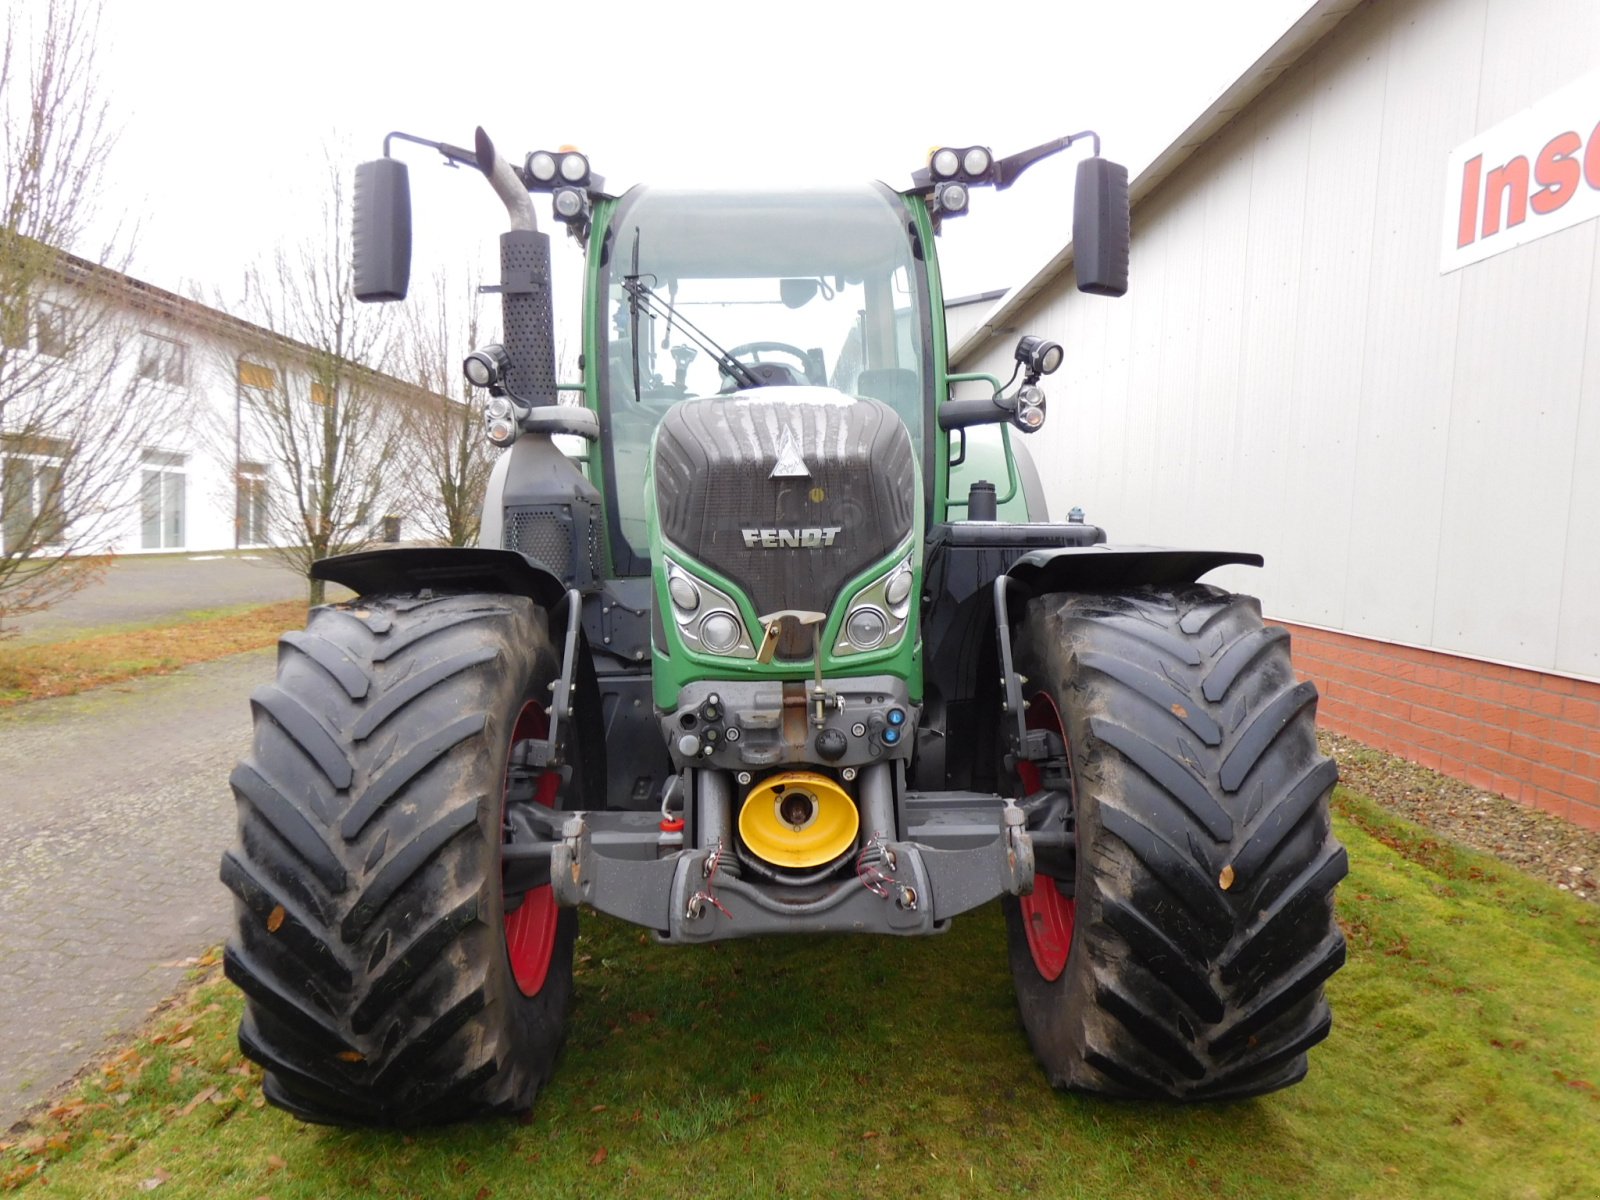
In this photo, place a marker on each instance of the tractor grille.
(713, 467)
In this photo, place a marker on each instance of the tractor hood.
(788, 492)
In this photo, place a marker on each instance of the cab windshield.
(808, 288)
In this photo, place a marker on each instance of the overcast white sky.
(226, 109)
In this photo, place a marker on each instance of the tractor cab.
(697, 295)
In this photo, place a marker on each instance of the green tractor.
(755, 643)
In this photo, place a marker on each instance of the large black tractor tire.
(372, 939)
(1186, 959)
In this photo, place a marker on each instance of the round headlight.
(953, 197)
(976, 161)
(719, 632)
(569, 203)
(866, 628)
(498, 409)
(946, 163)
(1051, 358)
(899, 588)
(684, 593)
(542, 166)
(574, 167)
(501, 432)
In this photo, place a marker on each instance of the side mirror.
(1101, 227)
(382, 230)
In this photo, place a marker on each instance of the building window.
(14, 324)
(32, 515)
(161, 500)
(45, 321)
(321, 394)
(256, 380)
(50, 330)
(251, 513)
(163, 359)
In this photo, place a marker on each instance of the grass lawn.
(96, 658)
(1463, 1063)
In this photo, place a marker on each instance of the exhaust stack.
(527, 313)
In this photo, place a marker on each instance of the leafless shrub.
(74, 408)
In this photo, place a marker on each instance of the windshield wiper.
(641, 298)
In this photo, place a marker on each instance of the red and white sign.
(1536, 173)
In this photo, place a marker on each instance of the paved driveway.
(114, 812)
(140, 589)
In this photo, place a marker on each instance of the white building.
(201, 479)
(1362, 338)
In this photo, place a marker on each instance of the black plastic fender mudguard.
(443, 569)
(1107, 568)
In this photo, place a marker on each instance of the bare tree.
(74, 410)
(312, 401)
(452, 457)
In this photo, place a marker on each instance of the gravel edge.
(1539, 843)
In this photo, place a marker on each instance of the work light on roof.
(951, 198)
(945, 163)
(975, 161)
(574, 167)
(568, 203)
(541, 166)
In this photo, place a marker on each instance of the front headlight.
(878, 613)
(707, 619)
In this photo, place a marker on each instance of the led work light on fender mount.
(1024, 408)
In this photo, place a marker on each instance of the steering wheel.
(756, 349)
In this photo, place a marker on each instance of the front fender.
(1105, 568)
(443, 569)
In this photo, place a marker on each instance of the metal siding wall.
(1139, 505)
(1578, 628)
(1330, 331)
(1218, 519)
(1431, 88)
(1554, 442)
(1417, 455)
(1173, 435)
(1508, 480)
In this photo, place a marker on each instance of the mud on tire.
(1204, 923)
(370, 940)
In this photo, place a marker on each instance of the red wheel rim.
(1047, 915)
(531, 926)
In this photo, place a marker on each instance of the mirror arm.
(453, 155)
(1007, 169)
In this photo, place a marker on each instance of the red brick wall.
(1524, 734)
